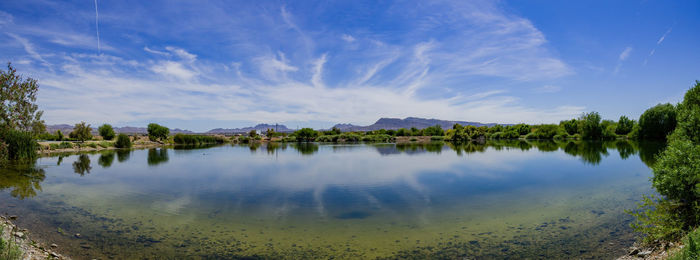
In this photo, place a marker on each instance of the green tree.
(252, 133)
(123, 141)
(522, 129)
(17, 101)
(624, 126)
(570, 126)
(676, 171)
(657, 122)
(106, 131)
(81, 132)
(435, 130)
(59, 135)
(589, 125)
(305, 135)
(157, 132)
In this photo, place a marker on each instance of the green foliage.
(688, 115)
(106, 131)
(403, 132)
(19, 145)
(435, 130)
(655, 218)
(123, 141)
(62, 145)
(677, 170)
(509, 134)
(198, 139)
(17, 101)
(589, 126)
(9, 250)
(570, 126)
(157, 132)
(657, 122)
(609, 133)
(543, 132)
(252, 133)
(306, 135)
(624, 126)
(59, 135)
(81, 132)
(691, 251)
(521, 129)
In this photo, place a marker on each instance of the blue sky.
(204, 64)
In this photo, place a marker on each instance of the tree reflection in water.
(157, 156)
(23, 178)
(82, 165)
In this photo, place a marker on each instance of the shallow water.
(498, 200)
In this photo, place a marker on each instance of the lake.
(514, 199)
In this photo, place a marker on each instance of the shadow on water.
(157, 156)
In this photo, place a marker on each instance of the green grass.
(8, 249)
(691, 250)
(62, 145)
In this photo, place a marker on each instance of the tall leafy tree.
(82, 132)
(657, 122)
(157, 132)
(18, 108)
(624, 126)
(106, 131)
(589, 125)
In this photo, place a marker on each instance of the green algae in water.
(341, 201)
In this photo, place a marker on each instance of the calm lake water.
(537, 200)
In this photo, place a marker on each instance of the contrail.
(97, 27)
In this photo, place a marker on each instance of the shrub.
(198, 139)
(106, 131)
(123, 141)
(81, 132)
(691, 250)
(20, 145)
(435, 130)
(105, 144)
(62, 145)
(657, 122)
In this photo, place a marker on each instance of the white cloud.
(625, 53)
(176, 69)
(348, 38)
(182, 54)
(5, 18)
(290, 73)
(149, 50)
(29, 48)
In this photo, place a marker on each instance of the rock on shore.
(21, 237)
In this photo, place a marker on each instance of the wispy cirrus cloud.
(658, 43)
(623, 56)
(268, 64)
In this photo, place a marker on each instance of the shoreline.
(30, 248)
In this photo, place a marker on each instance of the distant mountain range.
(382, 123)
(396, 123)
(260, 128)
(66, 129)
